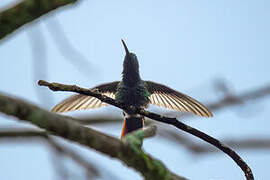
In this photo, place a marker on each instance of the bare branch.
(69, 52)
(173, 121)
(236, 100)
(90, 169)
(25, 12)
(65, 127)
(99, 120)
(39, 61)
(200, 148)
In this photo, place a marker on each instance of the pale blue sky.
(183, 44)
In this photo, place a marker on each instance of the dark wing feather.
(82, 102)
(164, 96)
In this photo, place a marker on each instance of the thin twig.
(90, 169)
(99, 120)
(173, 121)
(39, 61)
(239, 99)
(69, 52)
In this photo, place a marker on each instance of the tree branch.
(236, 100)
(135, 138)
(200, 148)
(22, 133)
(173, 121)
(99, 119)
(65, 127)
(25, 12)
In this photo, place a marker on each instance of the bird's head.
(130, 67)
(131, 62)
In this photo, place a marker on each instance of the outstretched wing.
(82, 102)
(164, 96)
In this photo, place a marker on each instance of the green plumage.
(133, 91)
(137, 95)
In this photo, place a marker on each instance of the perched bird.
(134, 91)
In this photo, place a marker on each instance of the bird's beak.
(125, 46)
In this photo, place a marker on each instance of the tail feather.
(124, 129)
(131, 123)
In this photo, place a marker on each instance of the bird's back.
(133, 96)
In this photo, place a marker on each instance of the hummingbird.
(133, 91)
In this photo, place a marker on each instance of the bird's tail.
(132, 123)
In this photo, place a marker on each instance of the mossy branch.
(135, 138)
(65, 127)
(172, 121)
(25, 12)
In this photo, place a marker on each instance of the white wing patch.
(81, 102)
(183, 103)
